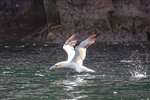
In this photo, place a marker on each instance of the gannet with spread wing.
(76, 54)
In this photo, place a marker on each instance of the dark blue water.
(122, 73)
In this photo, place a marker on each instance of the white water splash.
(139, 72)
(136, 66)
(126, 61)
(138, 75)
(39, 74)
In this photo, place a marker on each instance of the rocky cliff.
(22, 20)
(113, 20)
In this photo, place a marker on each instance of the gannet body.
(76, 54)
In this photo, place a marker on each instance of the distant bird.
(76, 54)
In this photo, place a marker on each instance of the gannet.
(76, 54)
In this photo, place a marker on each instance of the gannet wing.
(80, 50)
(69, 47)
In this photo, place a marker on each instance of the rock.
(113, 20)
(22, 20)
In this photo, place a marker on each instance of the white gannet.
(76, 54)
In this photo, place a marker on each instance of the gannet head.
(57, 65)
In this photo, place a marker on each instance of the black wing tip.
(72, 40)
(94, 34)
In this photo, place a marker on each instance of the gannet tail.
(85, 69)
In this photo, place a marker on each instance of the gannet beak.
(52, 67)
